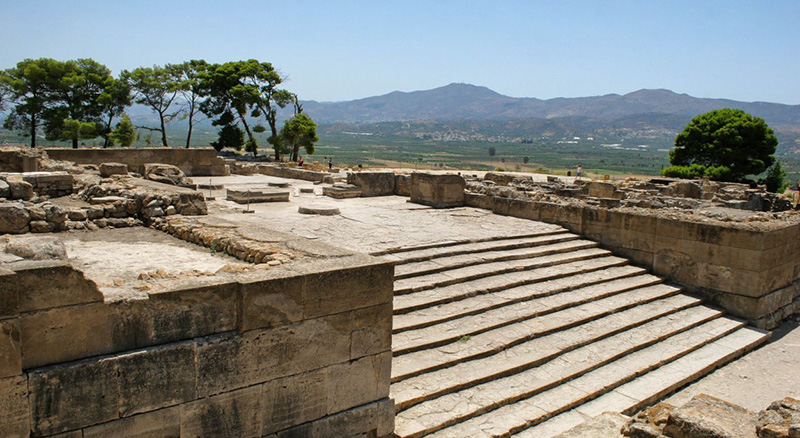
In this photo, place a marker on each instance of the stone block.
(710, 233)
(272, 303)
(156, 377)
(402, 185)
(598, 189)
(65, 286)
(230, 415)
(14, 413)
(164, 423)
(92, 329)
(233, 361)
(372, 331)
(295, 400)
(14, 218)
(191, 311)
(437, 191)
(479, 201)
(72, 396)
(706, 416)
(340, 290)
(373, 183)
(359, 382)
(10, 348)
(516, 208)
(342, 191)
(108, 169)
(257, 195)
(372, 420)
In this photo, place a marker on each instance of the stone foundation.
(193, 162)
(437, 190)
(373, 183)
(272, 353)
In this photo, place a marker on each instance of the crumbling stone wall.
(20, 159)
(274, 353)
(193, 162)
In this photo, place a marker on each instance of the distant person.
(330, 163)
(579, 171)
(83, 145)
(300, 162)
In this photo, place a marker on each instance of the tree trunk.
(189, 135)
(163, 130)
(108, 130)
(75, 143)
(33, 131)
(274, 129)
(249, 133)
(295, 152)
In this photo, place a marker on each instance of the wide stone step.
(419, 252)
(681, 358)
(539, 350)
(469, 325)
(414, 301)
(461, 275)
(455, 407)
(445, 262)
(612, 280)
(649, 303)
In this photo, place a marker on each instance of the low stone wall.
(752, 272)
(437, 190)
(373, 183)
(19, 159)
(53, 184)
(193, 162)
(274, 353)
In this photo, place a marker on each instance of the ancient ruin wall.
(268, 354)
(193, 162)
(752, 272)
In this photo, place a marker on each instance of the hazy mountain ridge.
(470, 102)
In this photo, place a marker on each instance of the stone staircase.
(530, 335)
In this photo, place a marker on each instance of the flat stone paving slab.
(257, 194)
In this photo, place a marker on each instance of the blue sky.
(341, 50)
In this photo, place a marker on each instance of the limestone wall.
(753, 273)
(268, 354)
(193, 162)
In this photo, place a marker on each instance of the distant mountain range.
(471, 102)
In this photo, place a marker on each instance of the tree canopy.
(299, 131)
(725, 144)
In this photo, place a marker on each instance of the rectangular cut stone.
(342, 191)
(164, 423)
(372, 331)
(235, 361)
(295, 400)
(272, 303)
(372, 420)
(193, 311)
(14, 414)
(64, 286)
(67, 397)
(437, 191)
(156, 377)
(342, 290)
(233, 414)
(359, 382)
(92, 329)
(256, 195)
(10, 352)
(373, 183)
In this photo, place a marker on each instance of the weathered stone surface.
(359, 382)
(438, 191)
(231, 362)
(706, 416)
(10, 351)
(192, 311)
(65, 285)
(296, 400)
(342, 191)
(156, 377)
(108, 169)
(373, 183)
(14, 218)
(37, 248)
(780, 420)
(338, 290)
(20, 189)
(257, 195)
(67, 397)
(163, 423)
(605, 425)
(166, 174)
(14, 413)
(92, 329)
(272, 303)
(372, 331)
(193, 161)
(372, 420)
(5, 190)
(233, 414)
(322, 210)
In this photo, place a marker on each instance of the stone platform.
(257, 195)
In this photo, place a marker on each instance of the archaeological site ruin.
(173, 293)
